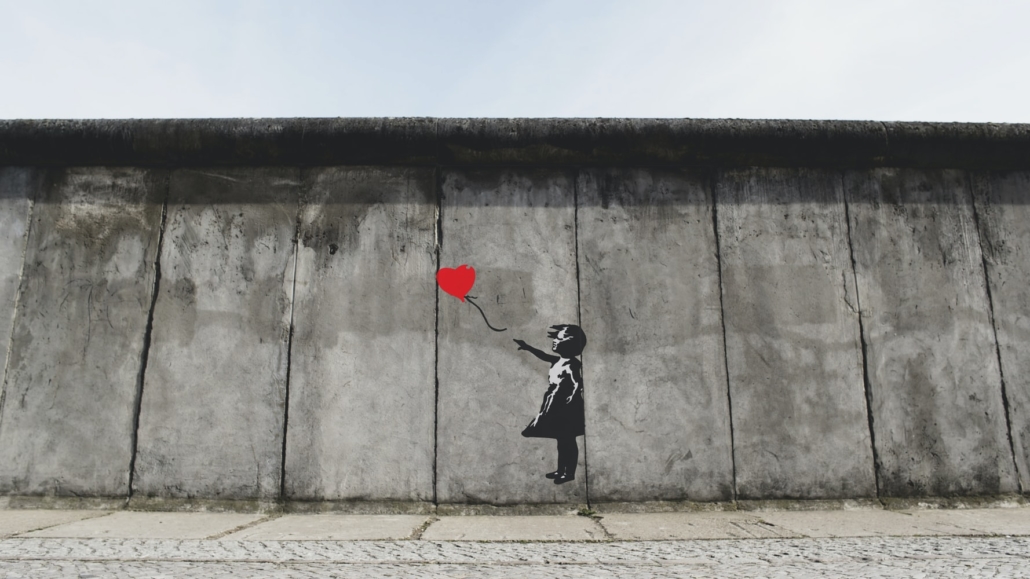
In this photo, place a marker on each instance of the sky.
(892, 60)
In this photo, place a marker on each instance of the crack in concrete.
(239, 528)
(417, 532)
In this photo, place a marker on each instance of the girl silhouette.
(561, 414)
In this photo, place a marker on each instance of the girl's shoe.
(552, 474)
(562, 479)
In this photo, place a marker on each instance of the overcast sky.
(931, 60)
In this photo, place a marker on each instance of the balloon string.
(469, 298)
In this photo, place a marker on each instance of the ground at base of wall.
(157, 504)
(586, 526)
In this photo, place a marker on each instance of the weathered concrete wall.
(18, 188)
(1003, 206)
(938, 416)
(523, 225)
(774, 309)
(658, 420)
(214, 396)
(792, 336)
(362, 376)
(72, 378)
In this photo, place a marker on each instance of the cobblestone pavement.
(856, 557)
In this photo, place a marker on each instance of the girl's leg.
(557, 472)
(568, 457)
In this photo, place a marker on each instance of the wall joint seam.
(147, 336)
(722, 320)
(866, 383)
(289, 346)
(438, 186)
(579, 316)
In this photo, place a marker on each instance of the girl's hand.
(522, 344)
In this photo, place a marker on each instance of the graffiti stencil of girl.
(561, 414)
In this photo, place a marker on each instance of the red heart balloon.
(456, 281)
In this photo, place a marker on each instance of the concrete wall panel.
(517, 230)
(362, 378)
(792, 333)
(657, 410)
(214, 398)
(938, 416)
(1003, 205)
(68, 418)
(18, 188)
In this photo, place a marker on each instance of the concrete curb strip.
(126, 525)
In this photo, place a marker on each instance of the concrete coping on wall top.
(513, 142)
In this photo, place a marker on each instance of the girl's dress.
(560, 417)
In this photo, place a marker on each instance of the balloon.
(456, 281)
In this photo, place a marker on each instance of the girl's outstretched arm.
(538, 353)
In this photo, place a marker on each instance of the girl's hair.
(574, 346)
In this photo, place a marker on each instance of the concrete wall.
(364, 340)
(792, 336)
(932, 364)
(1004, 225)
(658, 418)
(73, 373)
(18, 188)
(774, 310)
(523, 224)
(214, 398)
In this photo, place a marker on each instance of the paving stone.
(1014, 521)
(516, 528)
(332, 528)
(852, 557)
(864, 523)
(13, 522)
(130, 525)
(679, 526)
